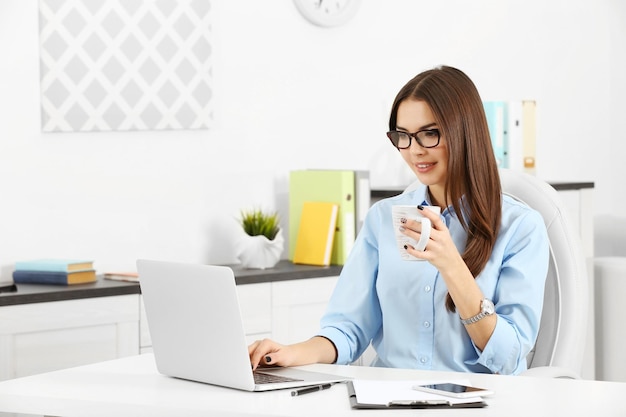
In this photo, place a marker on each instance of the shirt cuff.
(332, 343)
(501, 354)
(338, 339)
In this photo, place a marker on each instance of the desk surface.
(133, 387)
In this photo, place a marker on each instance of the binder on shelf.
(496, 112)
(516, 137)
(316, 233)
(522, 136)
(529, 135)
(348, 189)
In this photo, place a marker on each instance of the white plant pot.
(258, 252)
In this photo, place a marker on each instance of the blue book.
(57, 278)
(54, 265)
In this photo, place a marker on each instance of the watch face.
(487, 306)
(327, 12)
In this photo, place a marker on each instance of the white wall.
(290, 95)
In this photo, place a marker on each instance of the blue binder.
(497, 119)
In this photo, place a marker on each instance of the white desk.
(132, 387)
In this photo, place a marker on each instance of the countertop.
(383, 192)
(33, 293)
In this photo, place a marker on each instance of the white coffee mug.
(400, 212)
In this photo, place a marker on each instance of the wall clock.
(327, 13)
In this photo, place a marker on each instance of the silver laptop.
(197, 331)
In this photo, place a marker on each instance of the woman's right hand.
(266, 352)
(315, 350)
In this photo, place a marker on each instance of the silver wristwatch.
(486, 309)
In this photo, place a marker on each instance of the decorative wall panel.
(125, 65)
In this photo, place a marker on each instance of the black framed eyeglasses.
(427, 138)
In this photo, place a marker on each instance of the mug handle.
(425, 234)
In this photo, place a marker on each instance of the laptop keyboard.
(263, 378)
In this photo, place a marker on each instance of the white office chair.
(560, 344)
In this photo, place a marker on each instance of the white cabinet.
(255, 303)
(298, 306)
(41, 337)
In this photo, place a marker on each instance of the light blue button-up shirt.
(399, 305)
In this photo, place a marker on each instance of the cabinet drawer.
(69, 314)
(42, 337)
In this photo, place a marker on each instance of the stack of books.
(54, 271)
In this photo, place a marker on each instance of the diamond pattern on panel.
(125, 65)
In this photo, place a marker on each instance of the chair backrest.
(562, 332)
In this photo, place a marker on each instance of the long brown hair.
(473, 183)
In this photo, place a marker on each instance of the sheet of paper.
(383, 392)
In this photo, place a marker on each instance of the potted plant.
(257, 222)
(262, 244)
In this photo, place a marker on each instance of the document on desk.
(377, 394)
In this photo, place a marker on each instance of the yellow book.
(316, 233)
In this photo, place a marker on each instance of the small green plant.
(256, 222)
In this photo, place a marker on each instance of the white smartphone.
(454, 390)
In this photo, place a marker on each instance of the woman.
(476, 304)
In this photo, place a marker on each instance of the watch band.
(474, 319)
(486, 309)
